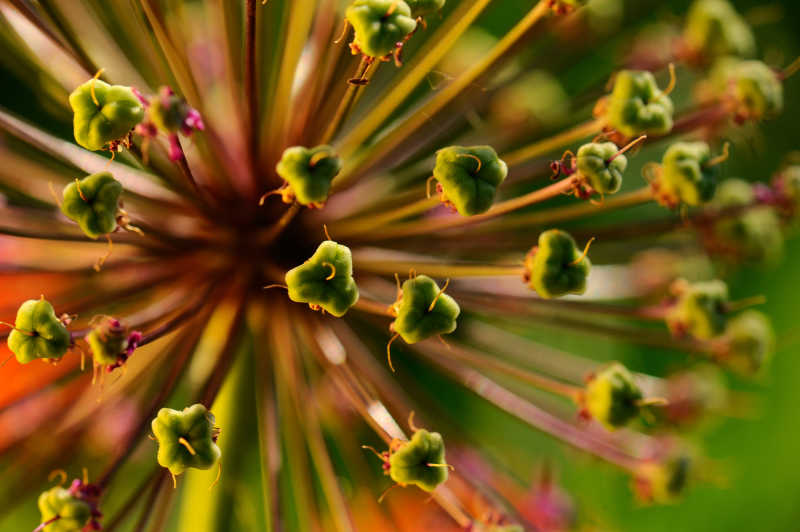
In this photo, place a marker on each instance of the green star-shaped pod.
(612, 397)
(714, 28)
(420, 461)
(107, 341)
(600, 165)
(637, 106)
(665, 480)
(309, 172)
(73, 513)
(700, 310)
(754, 236)
(116, 112)
(325, 280)
(469, 177)
(186, 439)
(416, 320)
(686, 177)
(751, 342)
(380, 25)
(93, 203)
(757, 89)
(38, 332)
(556, 267)
(421, 8)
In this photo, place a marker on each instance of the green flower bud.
(714, 29)
(309, 173)
(424, 7)
(420, 461)
(469, 177)
(636, 105)
(750, 342)
(379, 25)
(416, 320)
(93, 203)
(612, 397)
(325, 280)
(753, 236)
(186, 438)
(599, 163)
(107, 116)
(664, 481)
(700, 310)
(556, 267)
(72, 512)
(107, 340)
(38, 333)
(686, 177)
(755, 89)
(168, 111)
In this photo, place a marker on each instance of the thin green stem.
(548, 145)
(363, 71)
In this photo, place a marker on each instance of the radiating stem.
(370, 222)
(346, 105)
(548, 145)
(437, 269)
(250, 80)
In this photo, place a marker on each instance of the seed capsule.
(379, 25)
(686, 176)
(612, 397)
(556, 267)
(754, 90)
(714, 29)
(601, 165)
(750, 342)
(420, 461)
(186, 439)
(325, 280)
(38, 333)
(67, 511)
(700, 309)
(308, 173)
(424, 310)
(93, 203)
(469, 177)
(111, 342)
(636, 105)
(103, 113)
(664, 481)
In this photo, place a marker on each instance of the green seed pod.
(38, 333)
(309, 173)
(556, 267)
(700, 310)
(93, 203)
(755, 88)
(686, 177)
(637, 106)
(420, 461)
(469, 177)
(416, 320)
(664, 481)
(108, 340)
(379, 25)
(612, 397)
(753, 236)
(714, 29)
(325, 280)
(186, 438)
(751, 342)
(72, 512)
(168, 111)
(599, 163)
(421, 8)
(116, 112)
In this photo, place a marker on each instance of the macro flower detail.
(325, 280)
(714, 29)
(556, 266)
(169, 113)
(687, 175)
(93, 203)
(381, 26)
(469, 177)
(749, 342)
(186, 439)
(423, 310)
(72, 509)
(637, 106)
(308, 173)
(111, 342)
(38, 332)
(419, 461)
(665, 479)
(612, 397)
(700, 309)
(600, 164)
(104, 114)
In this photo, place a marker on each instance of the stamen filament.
(721, 158)
(91, 87)
(673, 80)
(183, 441)
(441, 291)
(626, 148)
(333, 270)
(583, 255)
